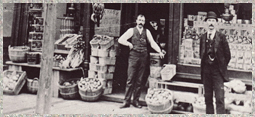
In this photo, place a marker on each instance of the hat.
(211, 15)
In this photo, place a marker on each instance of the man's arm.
(226, 50)
(127, 35)
(153, 44)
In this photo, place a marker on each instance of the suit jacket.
(222, 53)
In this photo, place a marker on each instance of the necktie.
(210, 36)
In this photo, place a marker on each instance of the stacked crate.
(102, 60)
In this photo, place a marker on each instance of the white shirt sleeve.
(127, 35)
(153, 44)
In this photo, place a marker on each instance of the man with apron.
(137, 61)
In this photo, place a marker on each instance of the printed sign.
(110, 23)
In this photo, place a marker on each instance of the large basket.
(32, 85)
(69, 92)
(18, 53)
(89, 95)
(164, 108)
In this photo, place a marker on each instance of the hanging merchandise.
(98, 11)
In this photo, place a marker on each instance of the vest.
(139, 41)
(209, 50)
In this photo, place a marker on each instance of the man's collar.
(212, 32)
(139, 28)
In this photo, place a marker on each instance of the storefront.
(181, 26)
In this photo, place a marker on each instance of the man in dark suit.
(215, 56)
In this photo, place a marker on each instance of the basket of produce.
(13, 81)
(90, 89)
(69, 89)
(32, 85)
(18, 53)
(159, 101)
(32, 58)
(106, 42)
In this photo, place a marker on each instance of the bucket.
(155, 59)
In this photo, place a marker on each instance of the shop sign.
(110, 23)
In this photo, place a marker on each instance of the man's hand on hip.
(130, 45)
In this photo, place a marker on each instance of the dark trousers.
(136, 66)
(213, 81)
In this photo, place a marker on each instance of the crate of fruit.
(13, 81)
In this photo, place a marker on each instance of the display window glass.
(234, 20)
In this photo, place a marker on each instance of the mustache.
(140, 24)
(211, 25)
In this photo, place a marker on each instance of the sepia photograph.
(127, 58)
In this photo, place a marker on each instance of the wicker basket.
(69, 92)
(164, 108)
(32, 85)
(18, 53)
(91, 95)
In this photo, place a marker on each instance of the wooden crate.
(20, 83)
(183, 96)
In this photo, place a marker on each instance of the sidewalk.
(25, 104)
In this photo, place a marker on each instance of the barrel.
(155, 60)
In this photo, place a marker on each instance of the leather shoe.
(137, 105)
(125, 105)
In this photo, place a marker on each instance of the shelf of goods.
(58, 73)
(67, 26)
(238, 35)
(36, 26)
(102, 60)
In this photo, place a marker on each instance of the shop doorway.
(152, 11)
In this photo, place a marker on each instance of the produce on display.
(159, 101)
(102, 42)
(90, 84)
(236, 86)
(75, 56)
(13, 81)
(10, 80)
(58, 60)
(158, 96)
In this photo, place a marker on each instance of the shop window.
(238, 32)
